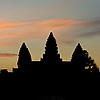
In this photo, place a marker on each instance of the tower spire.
(24, 56)
(51, 50)
(77, 52)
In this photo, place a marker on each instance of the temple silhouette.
(51, 78)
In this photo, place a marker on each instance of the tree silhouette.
(89, 62)
(82, 59)
(24, 56)
(51, 50)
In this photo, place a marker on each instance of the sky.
(31, 21)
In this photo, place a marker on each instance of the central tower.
(51, 51)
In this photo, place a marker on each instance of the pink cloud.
(10, 25)
(55, 24)
(40, 29)
(51, 23)
(7, 55)
(31, 29)
(9, 35)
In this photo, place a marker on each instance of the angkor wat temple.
(51, 78)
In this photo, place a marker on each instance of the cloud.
(67, 29)
(53, 23)
(90, 22)
(9, 25)
(90, 34)
(80, 29)
(34, 29)
(90, 28)
(11, 33)
(7, 55)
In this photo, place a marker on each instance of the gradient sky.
(31, 21)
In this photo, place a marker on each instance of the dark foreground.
(50, 84)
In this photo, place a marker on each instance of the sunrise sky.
(31, 21)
